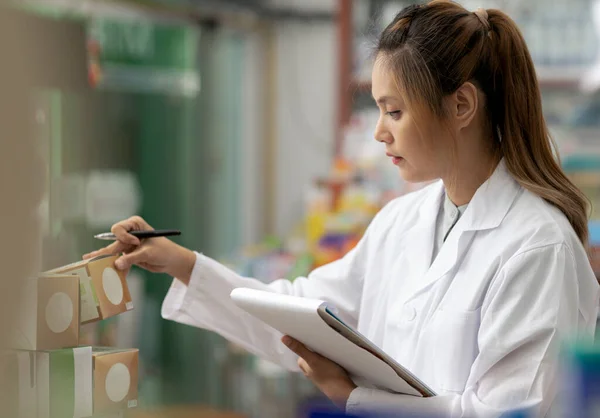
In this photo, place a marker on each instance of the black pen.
(109, 236)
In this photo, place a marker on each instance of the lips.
(395, 159)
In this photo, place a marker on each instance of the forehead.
(383, 81)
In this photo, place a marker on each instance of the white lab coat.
(481, 324)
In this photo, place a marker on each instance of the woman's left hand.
(329, 377)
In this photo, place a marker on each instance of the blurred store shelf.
(230, 12)
(182, 412)
(557, 76)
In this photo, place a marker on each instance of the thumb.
(135, 257)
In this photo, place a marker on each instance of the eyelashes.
(395, 114)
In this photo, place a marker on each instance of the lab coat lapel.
(420, 238)
(450, 253)
(487, 209)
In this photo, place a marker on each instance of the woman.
(472, 282)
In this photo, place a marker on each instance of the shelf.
(242, 15)
(560, 77)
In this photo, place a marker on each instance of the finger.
(135, 257)
(116, 247)
(141, 223)
(122, 229)
(303, 365)
(300, 349)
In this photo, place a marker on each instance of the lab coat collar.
(492, 200)
(487, 209)
(489, 204)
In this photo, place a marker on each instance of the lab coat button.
(410, 313)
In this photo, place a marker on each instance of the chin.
(410, 175)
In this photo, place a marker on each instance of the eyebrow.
(384, 99)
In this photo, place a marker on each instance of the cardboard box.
(49, 314)
(64, 383)
(115, 379)
(19, 390)
(104, 291)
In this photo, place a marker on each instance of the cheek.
(408, 138)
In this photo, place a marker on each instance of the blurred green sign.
(137, 42)
(143, 56)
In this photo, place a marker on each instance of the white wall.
(304, 117)
(306, 106)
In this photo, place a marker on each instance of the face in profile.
(417, 144)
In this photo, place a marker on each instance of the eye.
(395, 114)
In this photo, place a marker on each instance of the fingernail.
(120, 264)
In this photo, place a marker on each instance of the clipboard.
(314, 323)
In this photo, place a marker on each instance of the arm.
(531, 307)
(205, 301)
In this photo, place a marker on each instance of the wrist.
(186, 260)
(341, 393)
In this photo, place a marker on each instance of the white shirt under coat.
(481, 323)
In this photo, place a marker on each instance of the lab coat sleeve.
(532, 305)
(205, 302)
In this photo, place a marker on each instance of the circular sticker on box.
(111, 283)
(117, 382)
(59, 312)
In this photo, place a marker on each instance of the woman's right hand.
(158, 255)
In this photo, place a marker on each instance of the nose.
(381, 134)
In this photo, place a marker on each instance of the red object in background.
(93, 48)
(344, 47)
(94, 70)
(94, 73)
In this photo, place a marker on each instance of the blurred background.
(248, 125)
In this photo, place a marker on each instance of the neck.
(467, 176)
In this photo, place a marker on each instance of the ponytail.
(516, 110)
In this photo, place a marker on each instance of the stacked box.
(55, 377)
(115, 379)
(104, 291)
(64, 383)
(49, 315)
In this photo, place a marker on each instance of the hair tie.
(482, 15)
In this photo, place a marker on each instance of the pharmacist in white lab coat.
(471, 283)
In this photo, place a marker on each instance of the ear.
(463, 104)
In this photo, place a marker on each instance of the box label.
(89, 301)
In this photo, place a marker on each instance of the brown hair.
(435, 48)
